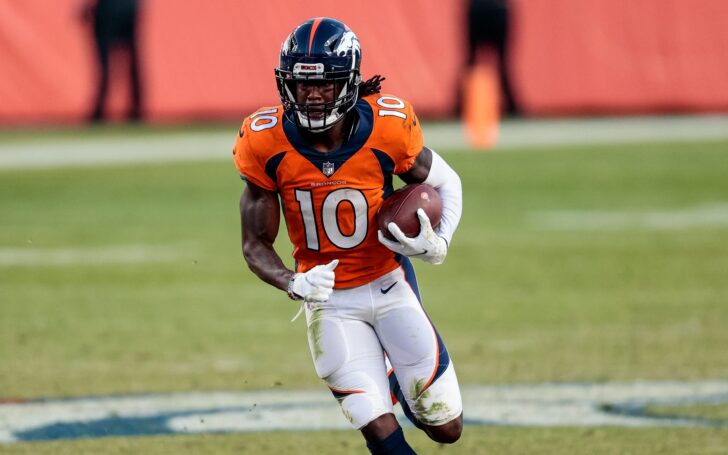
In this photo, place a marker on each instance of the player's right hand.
(317, 284)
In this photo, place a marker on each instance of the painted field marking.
(703, 216)
(573, 405)
(115, 254)
(524, 134)
(110, 151)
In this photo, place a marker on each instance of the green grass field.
(573, 264)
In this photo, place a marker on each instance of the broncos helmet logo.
(348, 43)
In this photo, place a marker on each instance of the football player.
(328, 154)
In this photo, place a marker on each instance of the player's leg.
(103, 50)
(384, 436)
(446, 433)
(349, 358)
(424, 377)
(433, 408)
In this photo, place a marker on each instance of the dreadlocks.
(372, 86)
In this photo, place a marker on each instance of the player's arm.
(420, 168)
(430, 168)
(430, 245)
(260, 219)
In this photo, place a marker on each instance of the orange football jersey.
(330, 200)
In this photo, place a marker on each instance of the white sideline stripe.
(703, 216)
(91, 256)
(539, 133)
(573, 405)
(117, 150)
(514, 133)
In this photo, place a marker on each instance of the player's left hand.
(427, 246)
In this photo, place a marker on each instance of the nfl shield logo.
(328, 168)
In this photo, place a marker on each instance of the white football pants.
(349, 335)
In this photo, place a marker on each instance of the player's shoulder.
(386, 105)
(262, 131)
(393, 120)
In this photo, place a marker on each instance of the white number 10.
(391, 102)
(329, 217)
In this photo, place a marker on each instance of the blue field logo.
(610, 404)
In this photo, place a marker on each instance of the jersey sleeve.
(251, 162)
(399, 131)
(414, 144)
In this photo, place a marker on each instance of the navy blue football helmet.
(326, 50)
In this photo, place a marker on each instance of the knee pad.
(362, 408)
(362, 400)
(440, 403)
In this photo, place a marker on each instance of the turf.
(546, 441)
(520, 299)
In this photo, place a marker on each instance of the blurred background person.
(488, 31)
(114, 25)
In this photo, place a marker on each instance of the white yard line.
(702, 216)
(177, 146)
(538, 133)
(514, 134)
(59, 257)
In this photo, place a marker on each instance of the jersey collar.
(339, 156)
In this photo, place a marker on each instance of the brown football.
(401, 208)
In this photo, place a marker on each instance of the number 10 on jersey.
(328, 215)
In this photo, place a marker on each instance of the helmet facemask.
(346, 92)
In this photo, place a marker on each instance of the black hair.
(372, 86)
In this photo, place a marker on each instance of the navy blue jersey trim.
(337, 157)
(271, 166)
(387, 165)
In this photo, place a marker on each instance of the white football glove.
(427, 246)
(317, 284)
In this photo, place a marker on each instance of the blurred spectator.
(488, 25)
(115, 29)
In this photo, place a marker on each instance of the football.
(401, 208)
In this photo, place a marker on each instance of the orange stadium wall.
(215, 59)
